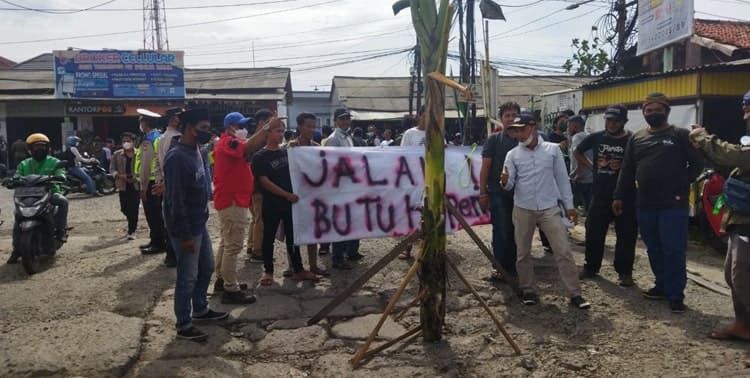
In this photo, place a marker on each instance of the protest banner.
(373, 192)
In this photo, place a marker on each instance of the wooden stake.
(413, 270)
(344, 295)
(407, 337)
(486, 251)
(411, 304)
(484, 305)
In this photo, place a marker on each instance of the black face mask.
(202, 136)
(39, 155)
(656, 119)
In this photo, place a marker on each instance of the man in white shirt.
(415, 135)
(536, 173)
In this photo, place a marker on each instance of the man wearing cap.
(736, 224)
(233, 186)
(186, 213)
(492, 197)
(536, 173)
(145, 167)
(340, 138)
(171, 117)
(657, 170)
(602, 152)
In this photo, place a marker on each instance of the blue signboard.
(119, 74)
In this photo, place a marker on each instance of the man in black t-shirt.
(271, 169)
(608, 148)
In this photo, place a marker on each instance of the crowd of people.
(528, 180)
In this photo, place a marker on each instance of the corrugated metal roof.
(39, 62)
(16, 80)
(6, 63)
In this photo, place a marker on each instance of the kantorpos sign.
(119, 74)
(94, 109)
(662, 22)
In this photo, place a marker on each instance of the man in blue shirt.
(186, 214)
(535, 171)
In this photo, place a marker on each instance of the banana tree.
(432, 24)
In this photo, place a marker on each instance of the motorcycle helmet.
(36, 138)
(73, 141)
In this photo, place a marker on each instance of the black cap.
(576, 119)
(173, 112)
(523, 120)
(617, 112)
(194, 116)
(341, 112)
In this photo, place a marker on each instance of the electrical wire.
(718, 15)
(368, 52)
(52, 11)
(97, 9)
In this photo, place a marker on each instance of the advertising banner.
(374, 192)
(661, 22)
(81, 74)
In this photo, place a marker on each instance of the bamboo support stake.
(411, 304)
(484, 305)
(408, 336)
(358, 357)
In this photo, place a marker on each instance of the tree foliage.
(589, 59)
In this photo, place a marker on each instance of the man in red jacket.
(233, 187)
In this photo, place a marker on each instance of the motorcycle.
(34, 219)
(711, 209)
(103, 180)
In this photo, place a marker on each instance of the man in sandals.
(271, 167)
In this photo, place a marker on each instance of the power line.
(53, 11)
(97, 9)
(171, 27)
(369, 52)
(718, 15)
(500, 36)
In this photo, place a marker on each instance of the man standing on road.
(171, 132)
(608, 149)
(493, 197)
(145, 168)
(658, 168)
(537, 175)
(415, 135)
(186, 213)
(736, 223)
(233, 186)
(255, 238)
(340, 138)
(122, 168)
(581, 176)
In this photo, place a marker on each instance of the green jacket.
(727, 155)
(47, 168)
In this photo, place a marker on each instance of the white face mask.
(241, 133)
(528, 140)
(127, 145)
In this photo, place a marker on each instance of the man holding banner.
(537, 174)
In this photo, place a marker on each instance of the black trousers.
(129, 203)
(273, 214)
(155, 218)
(626, 229)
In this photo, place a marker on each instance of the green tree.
(589, 59)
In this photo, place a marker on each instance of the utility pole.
(622, 18)
(412, 79)
(155, 36)
(471, 71)
(420, 84)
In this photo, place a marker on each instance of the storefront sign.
(119, 74)
(661, 22)
(94, 109)
(373, 192)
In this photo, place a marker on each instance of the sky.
(317, 39)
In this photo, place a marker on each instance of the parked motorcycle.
(35, 219)
(103, 180)
(711, 209)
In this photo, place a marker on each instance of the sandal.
(287, 273)
(725, 334)
(404, 255)
(320, 272)
(305, 276)
(266, 281)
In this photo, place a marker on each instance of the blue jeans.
(194, 270)
(665, 233)
(503, 231)
(79, 173)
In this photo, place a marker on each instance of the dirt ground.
(102, 309)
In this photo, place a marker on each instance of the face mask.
(202, 136)
(39, 155)
(656, 119)
(241, 133)
(528, 140)
(370, 134)
(127, 145)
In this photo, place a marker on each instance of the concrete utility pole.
(155, 36)
(622, 18)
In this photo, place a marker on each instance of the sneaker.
(131, 236)
(256, 258)
(211, 315)
(192, 334)
(529, 299)
(144, 246)
(677, 307)
(170, 262)
(587, 274)
(219, 285)
(579, 302)
(13, 259)
(342, 265)
(654, 294)
(323, 252)
(626, 280)
(356, 256)
(237, 297)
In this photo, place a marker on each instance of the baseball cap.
(523, 120)
(658, 98)
(173, 112)
(576, 119)
(341, 112)
(236, 118)
(194, 116)
(617, 112)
